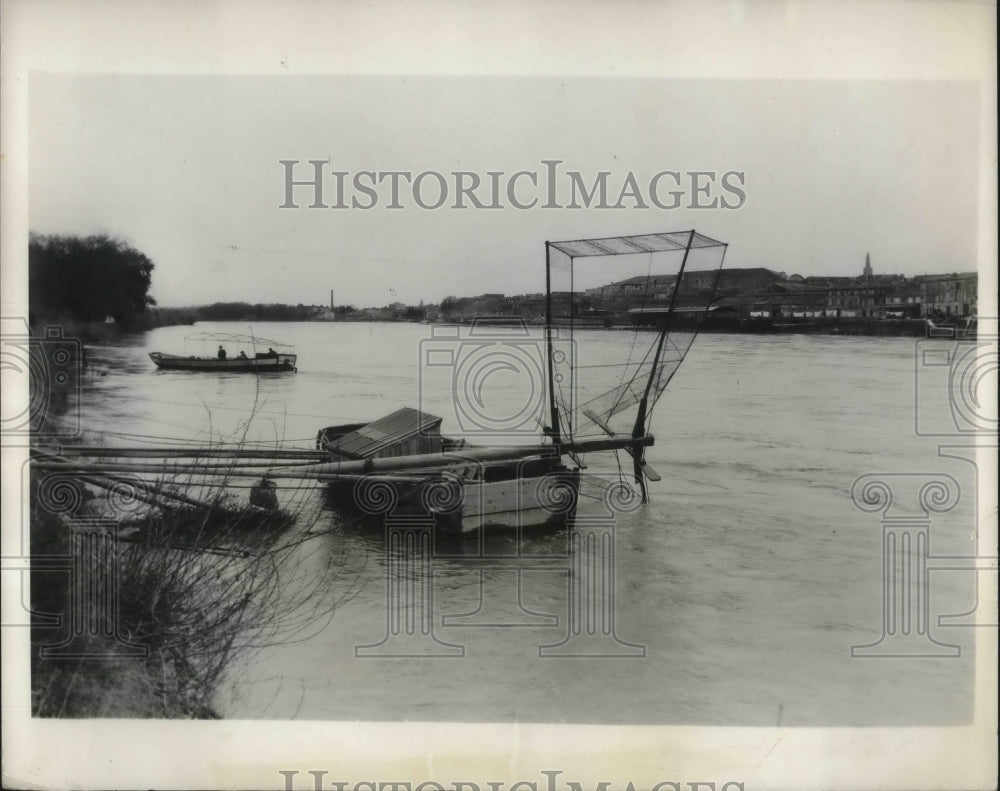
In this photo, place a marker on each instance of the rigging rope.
(634, 374)
(635, 333)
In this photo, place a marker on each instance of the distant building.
(733, 279)
(728, 279)
(956, 294)
(904, 301)
(634, 286)
(747, 292)
(863, 297)
(781, 300)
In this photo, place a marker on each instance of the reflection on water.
(745, 581)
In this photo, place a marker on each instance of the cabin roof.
(386, 431)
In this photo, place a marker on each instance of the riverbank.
(142, 598)
(156, 649)
(728, 323)
(110, 331)
(882, 328)
(721, 322)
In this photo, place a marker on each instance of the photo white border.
(734, 40)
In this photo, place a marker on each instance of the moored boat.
(414, 471)
(402, 467)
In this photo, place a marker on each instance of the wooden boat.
(461, 487)
(235, 354)
(401, 466)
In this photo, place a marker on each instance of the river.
(739, 590)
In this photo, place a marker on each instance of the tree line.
(245, 311)
(87, 279)
(92, 278)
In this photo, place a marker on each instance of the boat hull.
(456, 507)
(280, 363)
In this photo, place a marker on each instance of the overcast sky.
(186, 168)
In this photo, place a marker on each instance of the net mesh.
(652, 284)
(642, 243)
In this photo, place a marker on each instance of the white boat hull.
(464, 507)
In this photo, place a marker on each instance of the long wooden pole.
(665, 329)
(184, 453)
(639, 429)
(554, 410)
(218, 470)
(469, 456)
(149, 490)
(146, 493)
(333, 470)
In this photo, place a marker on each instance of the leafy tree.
(244, 311)
(87, 279)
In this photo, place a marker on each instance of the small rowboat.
(235, 354)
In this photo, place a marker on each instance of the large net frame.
(660, 289)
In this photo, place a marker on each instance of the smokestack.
(331, 300)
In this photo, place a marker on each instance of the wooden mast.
(554, 410)
(639, 429)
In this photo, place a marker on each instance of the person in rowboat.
(222, 353)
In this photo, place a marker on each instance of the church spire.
(868, 266)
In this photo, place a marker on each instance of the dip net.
(657, 291)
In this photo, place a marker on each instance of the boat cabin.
(405, 432)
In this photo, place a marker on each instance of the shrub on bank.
(152, 617)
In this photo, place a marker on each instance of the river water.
(738, 591)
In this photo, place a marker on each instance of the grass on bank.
(198, 588)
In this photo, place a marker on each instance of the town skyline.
(753, 291)
(420, 300)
